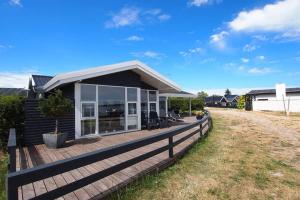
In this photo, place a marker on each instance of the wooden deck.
(33, 156)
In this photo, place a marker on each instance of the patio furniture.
(174, 117)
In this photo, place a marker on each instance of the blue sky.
(200, 44)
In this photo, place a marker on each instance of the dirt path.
(285, 131)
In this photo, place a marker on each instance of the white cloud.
(164, 17)
(219, 39)
(245, 60)
(14, 80)
(128, 16)
(147, 54)
(191, 52)
(125, 17)
(199, 3)
(3, 46)
(261, 57)
(153, 12)
(15, 2)
(249, 47)
(281, 17)
(134, 38)
(259, 70)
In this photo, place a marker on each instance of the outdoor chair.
(174, 117)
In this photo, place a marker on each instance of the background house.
(278, 99)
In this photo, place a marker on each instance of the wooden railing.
(26, 176)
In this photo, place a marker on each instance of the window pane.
(162, 106)
(88, 110)
(132, 123)
(131, 108)
(144, 96)
(152, 95)
(88, 92)
(88, 126)
(153, 107)
(111, 109)
(131, 94)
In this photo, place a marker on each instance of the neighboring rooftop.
(40, 80)
(13, 91)
(272, 91)
(231, 97)
(213, 98)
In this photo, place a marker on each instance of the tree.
(241, 102)
(55, 106)
(227, 92)
(201, 95)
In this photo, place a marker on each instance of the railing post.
(200, 131)
(171, 154)
(11, 149)
(11, 189)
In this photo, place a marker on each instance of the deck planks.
(32, 156)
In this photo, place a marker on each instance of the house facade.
(108, 99)
(222, 101)
(278, 99)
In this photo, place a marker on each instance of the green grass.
(3, 172)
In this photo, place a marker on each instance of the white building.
(279, 99)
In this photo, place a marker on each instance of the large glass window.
(111, 109)
(132, 109)
(153, 107)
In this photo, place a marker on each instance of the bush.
(241, 102)
(11, 116)
(182, 104)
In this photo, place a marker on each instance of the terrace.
(152, 155)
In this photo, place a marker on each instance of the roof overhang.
(147, 75)
(178, 94)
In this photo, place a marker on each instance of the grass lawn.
(234, 162)
(3, 171)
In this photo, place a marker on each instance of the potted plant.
(199, 114)
(55, 106)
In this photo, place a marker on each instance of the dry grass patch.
(234, 162)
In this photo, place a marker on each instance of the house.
(278, 99)
(232, 100)
(215, 101)
(107, 100)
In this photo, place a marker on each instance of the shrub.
(241, 102)
(11, 116)
(55, 106)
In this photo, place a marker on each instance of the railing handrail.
(30, 175)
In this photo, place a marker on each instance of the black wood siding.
(36, 124)
(126, 78)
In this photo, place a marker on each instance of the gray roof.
(40, 80)
(13, 91)
(213, 98)
(272, 91)
(178, 94)
(231, 97)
